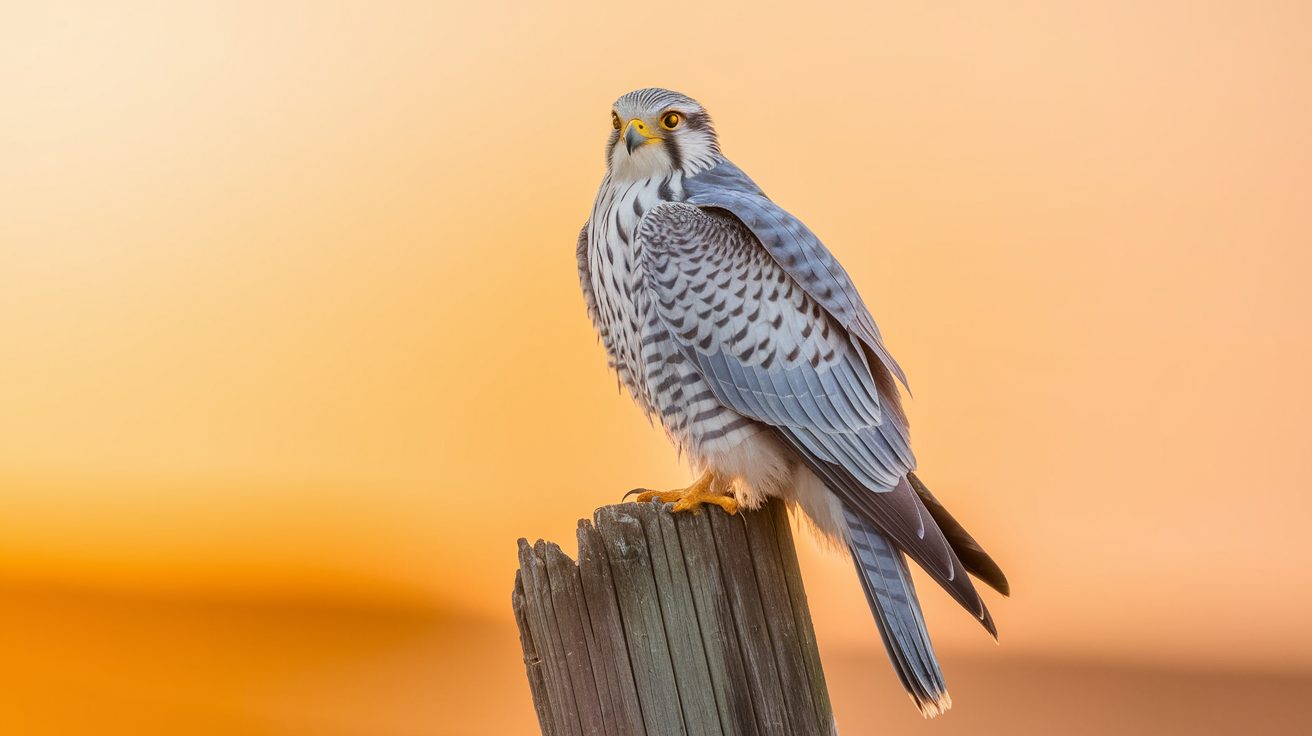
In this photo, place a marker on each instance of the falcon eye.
(615, 121)
(671, 120)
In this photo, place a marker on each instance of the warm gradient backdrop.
(291, 346)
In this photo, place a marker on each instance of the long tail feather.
(886, 580)
(972, 555)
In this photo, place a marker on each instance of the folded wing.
(773, 352)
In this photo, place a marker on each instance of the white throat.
(647, 162)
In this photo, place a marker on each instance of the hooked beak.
(636, 134)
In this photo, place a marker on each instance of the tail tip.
(935, 705)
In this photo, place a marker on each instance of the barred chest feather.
(617, 274)
(645, 358)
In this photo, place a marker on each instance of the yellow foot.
(687, 499)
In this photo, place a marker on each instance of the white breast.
(615, 264)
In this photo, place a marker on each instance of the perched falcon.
(731, 323)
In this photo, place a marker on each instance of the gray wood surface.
(688, 624)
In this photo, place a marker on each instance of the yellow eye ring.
(671, 120)
(615, 121)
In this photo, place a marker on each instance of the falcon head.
(657, 132)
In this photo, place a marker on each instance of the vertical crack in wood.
(533, 665)
(768, 568)
(716, 622)
(629, 554)
(682, 630)
(542, 624)
(749, 617)
(571, 621)
(622, 712)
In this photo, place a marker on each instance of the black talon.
(633, 492)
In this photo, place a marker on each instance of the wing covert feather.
(766, 347)
(801, 254)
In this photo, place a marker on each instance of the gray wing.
(751, 328)
(802, 256)
(771, 352)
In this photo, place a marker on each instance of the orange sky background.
(288, 308)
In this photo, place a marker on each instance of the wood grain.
(688, 624)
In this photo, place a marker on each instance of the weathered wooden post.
(671, 624)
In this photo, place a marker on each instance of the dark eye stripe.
(698, 121)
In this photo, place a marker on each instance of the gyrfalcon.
(733, 325)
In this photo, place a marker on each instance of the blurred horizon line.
(215, 601)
